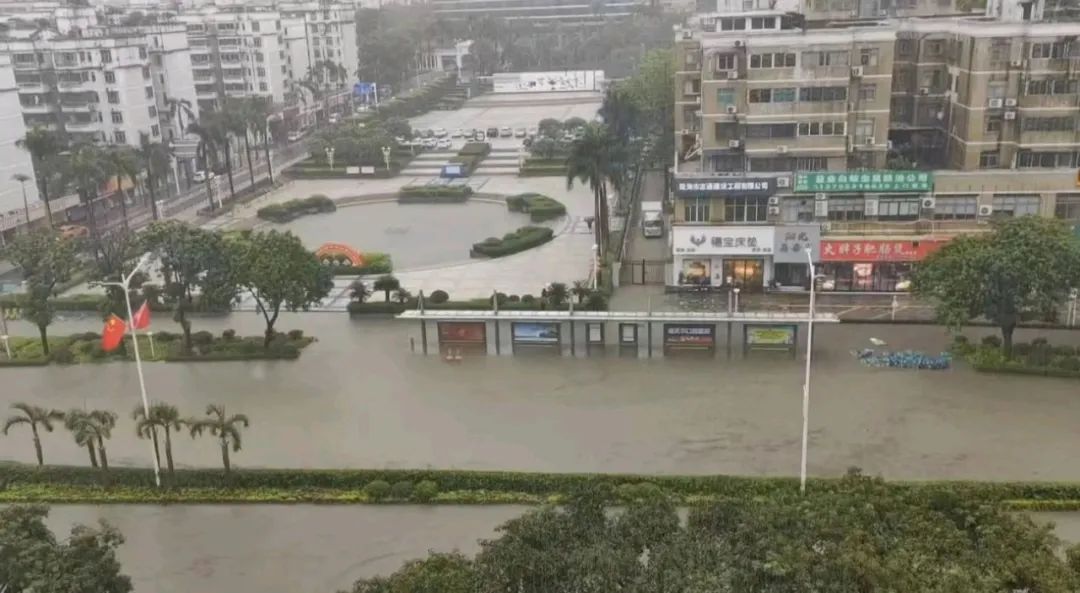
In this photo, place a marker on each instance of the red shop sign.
(860, 250)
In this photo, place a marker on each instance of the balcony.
(914, 228)
(26, 65)
(82, 125)
(43, 107)
(79, 107)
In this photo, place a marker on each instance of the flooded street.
(360, 398)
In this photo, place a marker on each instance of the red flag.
(113, 334)
(141, 318)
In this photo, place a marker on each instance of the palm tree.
(22, 178)
(580, 290)
(43, 145)
(100, 423)
(259, 112)
(217, 127)
(123, 162)
(162, 416)
(177, 108)
(592, 160)
(76, 421)
(34, 416)
(358, 291)
(153, 157)
(239, 115)
(225, 428)
(88, 168)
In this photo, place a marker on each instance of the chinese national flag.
(141, 319)
(113, 334)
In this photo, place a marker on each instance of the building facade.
(330, 35)
(536, 11)
(889, 136)
(14, 212)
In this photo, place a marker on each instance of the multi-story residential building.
(14, 160)
(871, 141)
(330, 31)
(537, 11)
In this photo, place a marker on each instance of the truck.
(652, 219)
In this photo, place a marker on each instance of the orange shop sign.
(862, 250)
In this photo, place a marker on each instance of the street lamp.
(806, 378)
(22, 178)
(330, 156)
(125, 286)
(595, 264)
(386, 150)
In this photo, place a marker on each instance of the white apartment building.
(297, 56)
(330, 29)
(237, 53)
(173, 78)
(12, 158)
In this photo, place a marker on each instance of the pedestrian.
(589, 221)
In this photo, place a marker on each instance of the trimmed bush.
(293, 209)
(377, 490)
(539, 207)
(228, 335)
(1038, 358)
(439, 297)
(475, 148)
(374, 263)
(202, 338)
(425, 491)
(434, 193)
(295, 334)
(401, 490)
(519, 240)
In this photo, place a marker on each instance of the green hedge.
(434, 193)
(384, 308)
(85, 348)
(293, 209)
(475, 149)
(542, 171)
(374, 263)
(468, 162)
(524, 238)
(1038, 358)
(339, 173)
(539, 207)
(94, 303)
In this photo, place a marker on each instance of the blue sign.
(364, 89)
(452, 171)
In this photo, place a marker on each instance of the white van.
(652, 219)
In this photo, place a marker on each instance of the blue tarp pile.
(904, 359)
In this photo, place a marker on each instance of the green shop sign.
(864, 181)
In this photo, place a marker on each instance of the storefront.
(872, 265)
(721, 255)
(791, 268)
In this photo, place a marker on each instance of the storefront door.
(747, 274)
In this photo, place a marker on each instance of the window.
(106, 56)
(260, 71)
(696, 210)
(692, 87)
(155, 131)
(770, 131)
(1052, 86)
(110, 78)
(725, 97)
(825, 58)
(797, 210)
(867, 92)
(864, 130)
(1055, 50)
(993, 123)
(1028, 160)
(996, 90)
(262, 86)
(868, 57)
(1067, 206)
(905, 48)
(847, 209)
(114, 97)
(157, 59)
(258, 42)
(733, 24)
(772, 60)
(255, 26)
(142, 53)
(1048, 124)
(120, 137)
(823, 93)
(955, 208)
(1000, 50)
(1013, 205)
(152, 111)
(146, 72)
(726, 163)
(810, 163)
(726, 62)
(935, 48)
(149, 92)
(827, 128)
(785, 95)
(117, 117)
(898, 208)
(745, 209)
(763, 22)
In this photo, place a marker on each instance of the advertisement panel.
(770, 336)
(864, 181)
(713, 186)
(723, 240)
(860, 250)
(544, 334)
(792, 242)
(548, 82)
(689, 336)
(462, 333)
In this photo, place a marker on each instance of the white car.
(201, 176)
(458, 133)
(295, 136)
(440, 132)
(506, 132)
(443, 143)
(533, 131)
(519, 133)
(430, 142)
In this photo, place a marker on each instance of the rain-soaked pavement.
(359, 398)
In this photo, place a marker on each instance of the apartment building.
(14, 160)
(236, 53)
(872, 141)
(330, 34)
(537, 11)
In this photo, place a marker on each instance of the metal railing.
(913, 227)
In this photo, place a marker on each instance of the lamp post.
(269, 149)
(595, 264)
(22, 178)
(125, 285)
(806, 378)
(386, 150)
(330, 156)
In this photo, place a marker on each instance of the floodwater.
(417, 236)
(360, 398)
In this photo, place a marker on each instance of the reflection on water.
(415, 235)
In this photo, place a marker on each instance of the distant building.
(538, 11)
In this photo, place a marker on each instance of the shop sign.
(753, 186)
(690, 336)
(864, 181)
(723, 240)
(462, 332)
(792, 241)
(877, 250)
(535, 333)
(770, 335)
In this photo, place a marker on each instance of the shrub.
(61, 355)
(992, 341)
(596, 301)
(434, 193)
(1063, 350)
(426, 490)
(517, 241)
(401, 490)
(202, 338)
(296, 334)
(1068, 363)
(439, 297)
(293, 209)
(515, 298)
(228, 335)
(170, 336)
(539, 207)
(377, 489)
(528, 299)
(643, 491)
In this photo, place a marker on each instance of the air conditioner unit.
(774, 210)
(986, 210)
(1010, 115)
(738, 43)
(888, 144)
(1010, 102)
(732, 110)
(924, 90)
(697, 99)
(928, 203)
(1017, 63)
(856, 71)
(783, 182)
(995, 103)
(774, 200)
(687, 34)
(732, 74)
(820, 197)
(734, 143)
(684, 132)
(782, 149)
(870, 141)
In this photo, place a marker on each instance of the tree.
(33, 416)
(580, 290)
(557, 294)
(76, 421)
(162, 416)
(123, 163)
(358, 291)
(550, 127)
(43, 145)
(595, 159)
(1021, 270)
(259, 112)
(153, 158)
(278, 271)
(438, 573)
(653, 96)
(546, 147)
(46, 259)
(225, 428)
(22, 178)
(117, 254)
(387, 283)
(95, 426)
(192, 261)
(238, 114)
(31, 558)
(574, 123)
(215, 128)
(88, 167)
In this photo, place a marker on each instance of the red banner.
(875, 250)
(462, 332)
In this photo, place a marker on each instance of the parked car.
(506, 132)
(493, 132)
(478, 132)
(479, 136)
(533, 131)
(441, 133)
(201, 176)
(519, 133)
(73, 231)
(295, 136)
(443, 143)
(430, 142)
(428, 133)
(458, 133)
